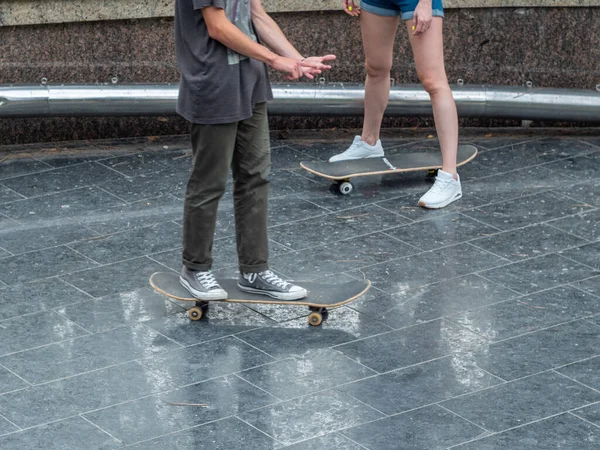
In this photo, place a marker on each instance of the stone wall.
(549, 46)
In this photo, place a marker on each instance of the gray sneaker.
(267, 283)
(202, 285)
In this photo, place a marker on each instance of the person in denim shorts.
(379, 20)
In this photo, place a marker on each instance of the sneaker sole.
(443, 204)
(291, 296)
(358, 157)
(202, 295)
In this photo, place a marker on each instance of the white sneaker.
(444, 191)
(359, 150)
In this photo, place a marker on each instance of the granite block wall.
(558, 47)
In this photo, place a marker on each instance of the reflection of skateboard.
(321, 297)
(340, 172)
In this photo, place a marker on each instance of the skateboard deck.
(321, 297)
(405, 162)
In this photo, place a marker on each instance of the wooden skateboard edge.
(383, 172)
(260, 302)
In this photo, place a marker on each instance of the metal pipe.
(339, 99)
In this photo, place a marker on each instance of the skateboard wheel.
(195, 313)
(315, 319)
(346, 187)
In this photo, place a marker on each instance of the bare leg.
(428, 51)
(378, 35)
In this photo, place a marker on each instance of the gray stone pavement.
(482, 330)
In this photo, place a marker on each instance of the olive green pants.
(243, 147)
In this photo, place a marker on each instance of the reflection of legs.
(250, 166)
(212, 147)
(378, 35)
(428, 50)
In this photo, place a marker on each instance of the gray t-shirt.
(217, 84)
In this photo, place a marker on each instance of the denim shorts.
(404, 8)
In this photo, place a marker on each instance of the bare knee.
(378, 68)
(433, 83)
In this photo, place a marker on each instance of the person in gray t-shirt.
(223, 92)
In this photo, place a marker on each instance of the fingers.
(350, 8)
(328, 58)
(420, 25)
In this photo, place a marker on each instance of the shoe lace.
(207, 279)
(440, 185)
(270, 277)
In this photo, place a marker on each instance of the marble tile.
(431, 427)
(590, 413)
(591, 285)
(528, 242)
(8, 195)
(535, 274)
(586, 254)
(24, 332)
(72, 396)
(222, 320)
(202, 362)
(131, 244)
(533, 153)
(516, 184)
(118, 217)
(333, 441)
(526, 314)
(43, 264)
(32, 237)
(6, 427)
(310, 416)
(420, 385)
(413, 306)
(522, 401)
(143, 187)
(291, 208)
(529, 210)
(337, 257)
(148, 162)
(225, 434)
(70, 433)
(335, 227)
(562, 431)
(73, 204)
(584, 192)
(124, 276)
(38, 296)
(442, 231)
(63, 179)
(296, 337)
(585, 225)
(413, 345)
(586, 372)
(174, 411)
(428, 267)
(295, 377)
(10, 382)
(118, 310)
(542, 350)
(84, 354)
(15, 167)
(579, 168)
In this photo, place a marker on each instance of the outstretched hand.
(308, 67)
(315, 65)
